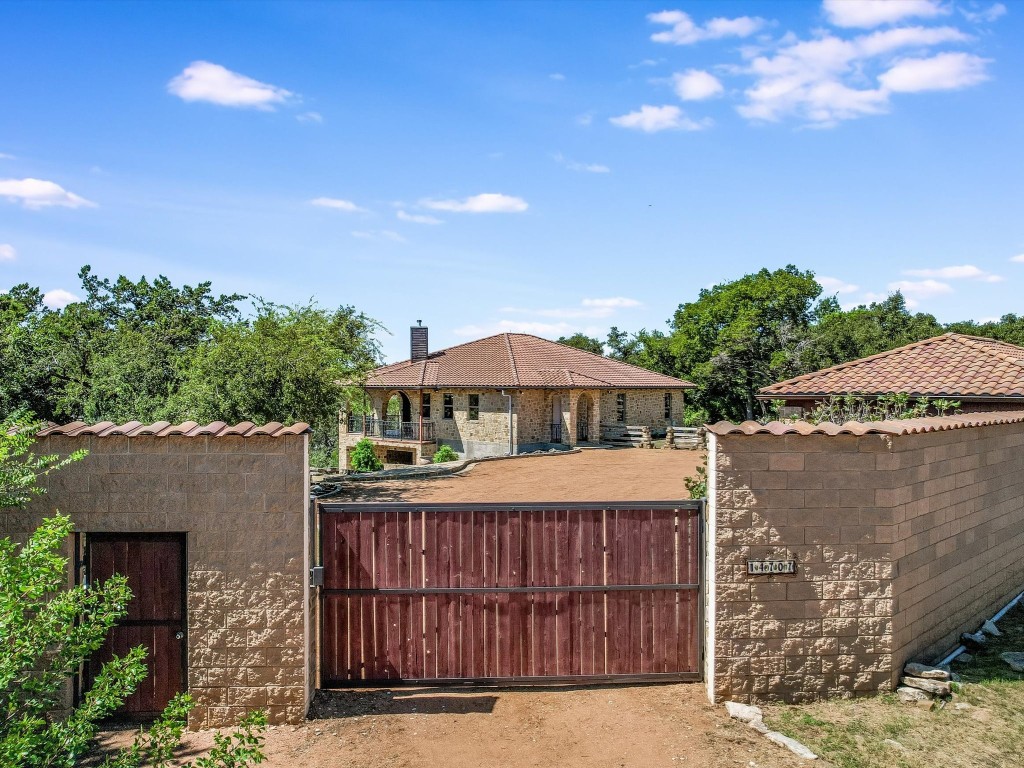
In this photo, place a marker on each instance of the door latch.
(316, 576)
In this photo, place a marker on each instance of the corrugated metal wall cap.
(166, 429)
(893, 427)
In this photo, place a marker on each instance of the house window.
(425, 405)
(474, 407)
(620, 407)
(668, 405)
(448, 406)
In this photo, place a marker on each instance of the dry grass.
(881, 732)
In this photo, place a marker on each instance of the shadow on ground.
(328, 705)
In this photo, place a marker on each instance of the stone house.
(982, 374)
(506, 394)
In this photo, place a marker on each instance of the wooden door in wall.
(154, 565)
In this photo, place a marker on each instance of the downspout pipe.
(511, 441)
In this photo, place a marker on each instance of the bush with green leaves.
(364, 458)
(445, 453)
(840, 409)
(49, 630)
(697, 485)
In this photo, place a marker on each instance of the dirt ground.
(612, 474)
(607, 727)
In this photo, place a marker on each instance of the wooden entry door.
(154, 565)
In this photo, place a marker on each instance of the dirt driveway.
(612, 474)
(610, 727)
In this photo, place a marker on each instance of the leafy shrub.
(843, 408)
(364, 458)
(445, 453)
(698, 485)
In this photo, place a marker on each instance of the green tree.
(1008, 328)
(584, 342)
(285, 364)
(47, 630)
(742, 335)
(364, 458)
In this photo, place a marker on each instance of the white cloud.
(572, 165)
(415, 218)
(337, 204)
(37, 193)
(958, 272)
(943, 72)
(920, 289)
(205, 81)
(685, 32)
(589, 308)
(986, 15)
(616, 302)
(834, 285)
(558, 76)
(488, 202)
(7, 252)
(874, 13)
(380, 235)
(1019, 258)
(827, 79)
(585, 119)
(651, 119)
(517, 326)
(58, 298)
(310, 117)
(644, 63)
(5, 156)
(696, 85)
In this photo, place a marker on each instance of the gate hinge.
(316, 576)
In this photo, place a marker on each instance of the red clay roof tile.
(892, 427)
(166, 429)
(518, 360)
(951, 365)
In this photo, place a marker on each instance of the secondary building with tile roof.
(983, 374)
(507, 393)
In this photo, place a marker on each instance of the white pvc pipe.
(960, 648)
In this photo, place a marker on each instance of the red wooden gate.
(435, 592)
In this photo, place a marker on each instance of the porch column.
(569, 417)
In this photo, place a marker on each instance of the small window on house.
(474, 407)
(668, 405)
(620, 407)
(425, 405)
(448, 406)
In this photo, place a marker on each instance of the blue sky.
(537, 167)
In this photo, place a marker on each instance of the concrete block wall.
(902, 541)
(243, 503)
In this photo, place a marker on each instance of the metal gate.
(586, 592)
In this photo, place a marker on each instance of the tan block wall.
(243, 503)
(901, 543)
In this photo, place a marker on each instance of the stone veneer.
(902, 542)
(243, 503)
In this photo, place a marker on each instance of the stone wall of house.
(243, 503)
(901, 542)
(644, 407)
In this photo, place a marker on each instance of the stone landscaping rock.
(923, 670)
(743, 712)
(989, 628)
(758, 725)
(908, 695)
(792, 745)
(937, 687)
(974, 642)
(1015, 659)
(963, 658)
(894, 744)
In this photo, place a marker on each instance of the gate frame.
(323, 507)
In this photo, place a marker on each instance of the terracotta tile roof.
(951, 365)
(894, 427)
(166, 429)
(518, 360)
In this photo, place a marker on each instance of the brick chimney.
(418, 349)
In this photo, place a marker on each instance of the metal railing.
(582, 431)
(392, 429)
(556, 432)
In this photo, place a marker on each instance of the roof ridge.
(602, 357)
(988, 346)
(859, 361)
(512, 360)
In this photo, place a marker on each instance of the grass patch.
(880, 732)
